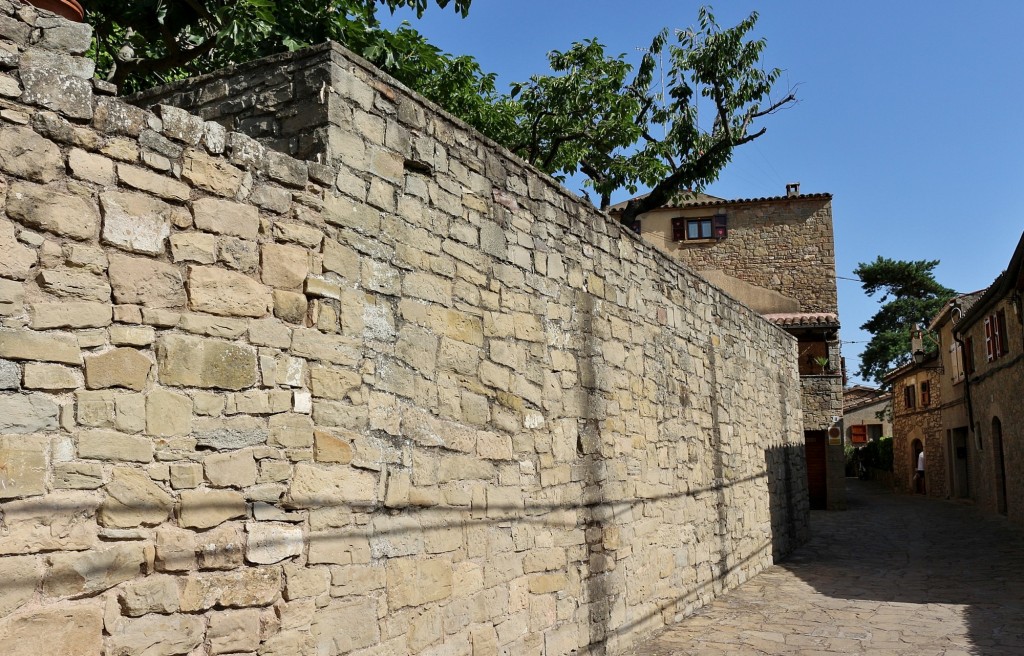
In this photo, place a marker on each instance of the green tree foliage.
(141, 43)
(597, 115)
(594, 113)
(909, 295)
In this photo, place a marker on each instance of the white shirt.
(920, 461)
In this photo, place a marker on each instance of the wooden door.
(816, 451)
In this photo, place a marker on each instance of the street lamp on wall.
(917, 343)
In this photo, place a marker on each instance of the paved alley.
(895, 574)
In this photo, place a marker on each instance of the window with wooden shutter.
(858, 434)
(926, 394)
(1003, 342)
(956, 370)
(990, 352)
(679, 229)
(997, 337)
(720, 227)
(910, 397)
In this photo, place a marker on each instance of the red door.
(815, 450)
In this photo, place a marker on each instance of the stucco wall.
(421, 401)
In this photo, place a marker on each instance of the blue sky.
(911, 114)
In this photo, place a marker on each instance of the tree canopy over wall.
(594, 113)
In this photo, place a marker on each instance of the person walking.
(920, 473)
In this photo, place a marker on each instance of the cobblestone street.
(895, 574)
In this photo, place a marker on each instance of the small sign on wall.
(835, 436)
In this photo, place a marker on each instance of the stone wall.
(420, 402)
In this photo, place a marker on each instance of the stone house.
(990, 334)
(917, 425)
(945, 435)
(777, 256)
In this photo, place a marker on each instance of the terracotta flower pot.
(70, 9)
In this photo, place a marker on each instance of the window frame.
(926, 394)
(910, 396)
(956, 360)
(996, 343)
(709, 228)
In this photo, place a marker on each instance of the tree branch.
(556, 143)
(127, 67)
(791, 97)
(201, 10)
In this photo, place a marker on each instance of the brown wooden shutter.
(720, 226)
(989, 346)
(678, 229)
(1002, 342)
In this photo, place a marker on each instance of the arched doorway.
(916, 464)
(999, 454)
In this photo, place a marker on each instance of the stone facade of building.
(992, 330)
(784, 245)
(413, 399)
(917, 422)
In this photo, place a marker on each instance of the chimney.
(793, 189)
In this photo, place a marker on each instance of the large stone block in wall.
(211, 173)
(76, 285)
(119, 367)
(25, 154)
(331, 487)
(226, 218)
(133, 499)
(204, 509)
(210, 363)
(346, 625)
(135, 222)
(242, 588)
(156, 635)
(51, 210)
(46, 347)
(141, 281)
(16, 260)
(22, 465)
(417, 581)
(69, 315)
(69, 629)
(58, 82)
(227, 293)
(21, 576)
(97, 569)
(59, 521)
(20, 413)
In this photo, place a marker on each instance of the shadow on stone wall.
(902, 549)
(785, 469)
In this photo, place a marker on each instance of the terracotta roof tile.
(803, 318)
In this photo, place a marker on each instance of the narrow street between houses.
(895, 574)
